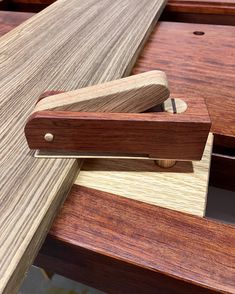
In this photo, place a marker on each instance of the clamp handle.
(133, 94)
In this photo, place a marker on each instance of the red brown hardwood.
(196, 66)
(9, 20)
(158, 135)
(29, 5)
(124, 246)
(203, 6)
(203, 11)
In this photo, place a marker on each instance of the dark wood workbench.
(128, 254)
(199, 62)
(203, 11)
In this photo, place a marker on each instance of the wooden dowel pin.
(171, 105)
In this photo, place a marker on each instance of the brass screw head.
(49, 137)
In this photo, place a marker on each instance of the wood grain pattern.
(124, 246)
(212, 19)
(96, 42)
(9, 20)
(131, 94)
(182, 187)
(203, 73)
(202, 68)
(161, 135)
(202, 6)
(201, 11)
(186, 79)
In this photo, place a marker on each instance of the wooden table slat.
(123, 246)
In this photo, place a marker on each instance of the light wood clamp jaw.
(120, 119)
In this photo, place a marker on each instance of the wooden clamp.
(108, 120)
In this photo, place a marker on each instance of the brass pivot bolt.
(49, 137)
(171, 105)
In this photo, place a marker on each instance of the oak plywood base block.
(182, 187)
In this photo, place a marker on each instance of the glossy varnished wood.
(9, 20)
(197, 67)
(202, 6)
(202, 11)
(157, 135)
(199, 6)
(123, 246)
(199, 74)
(96, 42)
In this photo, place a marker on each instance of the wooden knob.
(166, 163)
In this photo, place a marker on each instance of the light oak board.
(182, 187)
(70, 45)
(131, 94)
